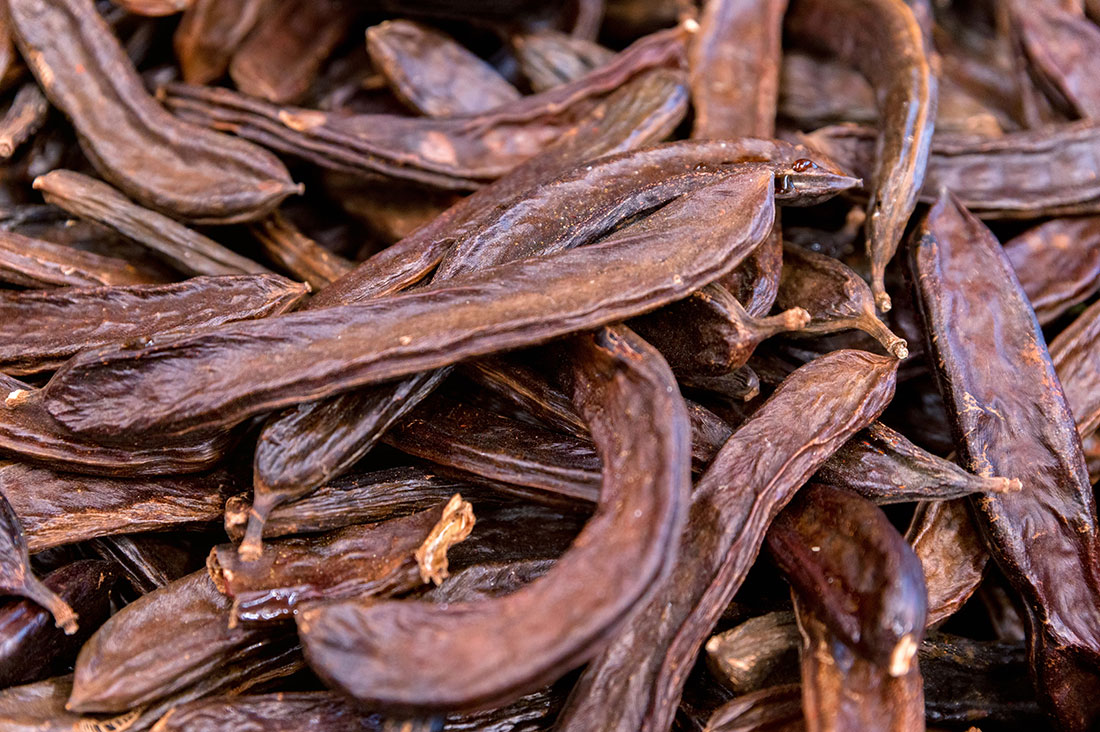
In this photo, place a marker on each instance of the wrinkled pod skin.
(1010, 416)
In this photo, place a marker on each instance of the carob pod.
(36, 263)
(771, 709)
(843, 556)
(1011, 416)
(1061, 49)
(43, 705)
(185, 249)
(834, 296)
(456, 153)
(635, 683)
(994, 177)
(31, 648)
(147, 562)
(59, 508)
(297, 254)
(23, 118)
(28, 432)
(455, 656)
(905, 92)
(882, 465)
(387, 558)
(210, 32)
(841, 690)
(1075, 353)
(735, 62)
(434, 75)
(1058, 264)
(642, 112)
(355, 498)
(710, 334)
(282, 57)
(162, 162)
(41, 329)
(944, 535)
(547, 58)
(745, 658)
(160, 644)
(493, 446)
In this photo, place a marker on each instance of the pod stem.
(63, 615)
(251, 546)
(878, 330)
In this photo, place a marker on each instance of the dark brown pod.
(29, 432)
(843, 691)
(24, 117)
(1061, 48)
(772, 709)
(36, 263)
(642, 112)
(994, 177)
(41, 329)
(1011, 416)
(433, 74)
(210, 32)
(459, 153)
(356, 498)
(842, 555)
(148, 562)
(382, 559)
(492, 446)
(297, 254)
(446, 659)
(31, 648)
(162, 162)
(1075, 353)
(282, 56)
(635, 683)
(905, 92)
(745, 658)
(548, 58)
(185, 249)
(882, 465)
(835, 297)
(735, 61)
(42, 706)
(160, 644)
(59, 508)
(710, 334)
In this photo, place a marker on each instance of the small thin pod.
(835, 297)
(185, 249)
(905, 93)
(882, 465)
